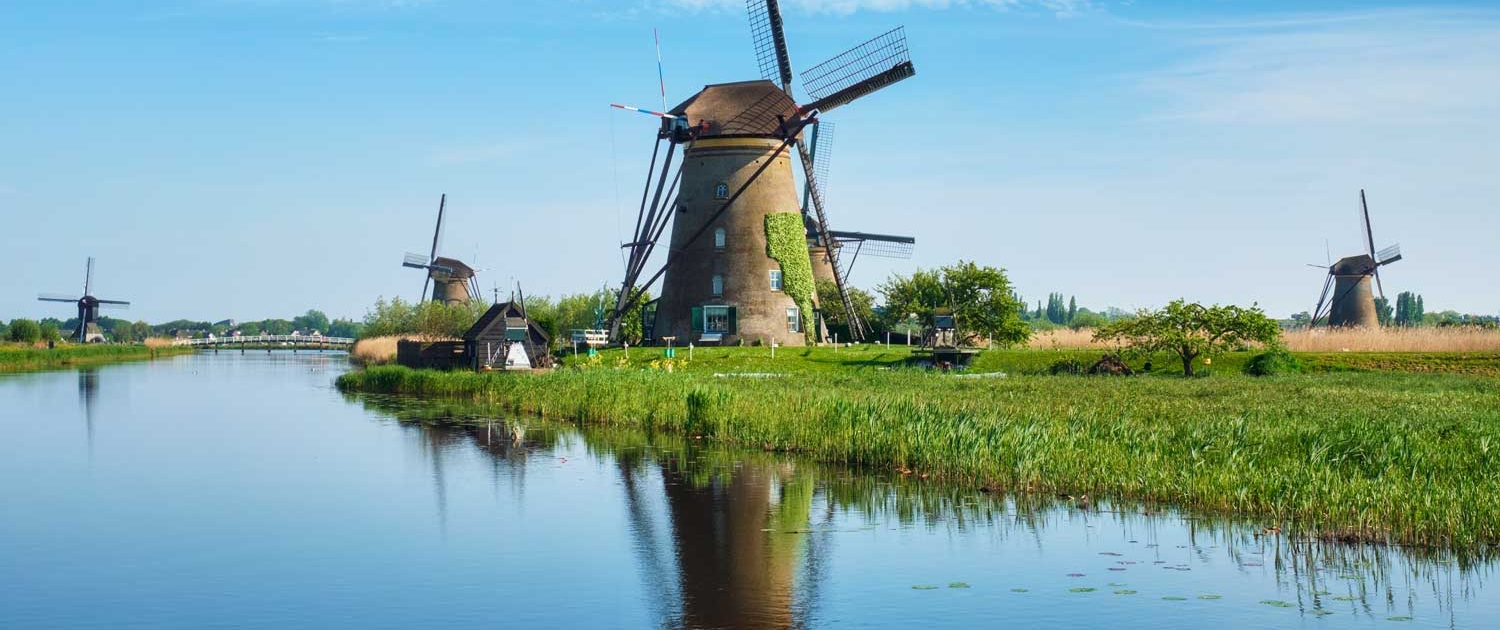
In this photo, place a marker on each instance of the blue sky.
(254, 158)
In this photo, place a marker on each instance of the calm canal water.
(243, 491)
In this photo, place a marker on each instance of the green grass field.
(1405, 457)
(18, 358)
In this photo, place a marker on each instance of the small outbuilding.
(504, 338)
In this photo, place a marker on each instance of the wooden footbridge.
(270, 342)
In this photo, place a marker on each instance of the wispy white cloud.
(1391, 66)
(1058, 7)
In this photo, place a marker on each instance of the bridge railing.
(308, 340)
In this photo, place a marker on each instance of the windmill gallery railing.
(296, 341)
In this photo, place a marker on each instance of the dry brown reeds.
(1452, 339)
(382, 350)
(158, 342)
(1066, 339)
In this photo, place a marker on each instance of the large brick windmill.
(88, 330)
(738, 266)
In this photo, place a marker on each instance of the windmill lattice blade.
(56, 297)
(887, 249)
(88, 277)
(1388, 255)
(115, 302)
(859, 71)
(116, 306)
(822, 154)
(415, 260)
(766, 33)
(1380, 288)
(1365, 221)
(438, 231)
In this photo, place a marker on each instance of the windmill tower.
(453, 281)
(1348, 282)
(88, 330)
(728, 263)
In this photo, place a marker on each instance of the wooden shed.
(504, 338)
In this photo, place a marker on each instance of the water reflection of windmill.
(88, 395)
(1348, 282)
(453, 281)
(88, 308)
(739, 539)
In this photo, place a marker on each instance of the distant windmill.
(454, 281)
(1352, 303)
(88, 308)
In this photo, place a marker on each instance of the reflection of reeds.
(1358, 456)
(1452, 339)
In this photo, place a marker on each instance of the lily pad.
(924, 587)
(1125, 591)
(1117, 584)
(1210, 597)
(1398, 618)
(1277, 603)
(958, 585)
(1350, 576)
(1325, 593)
(1346, 598)
(1020, 590)
(1075, 575)
(1082, 589)
(1321, 612)
(1175, 598)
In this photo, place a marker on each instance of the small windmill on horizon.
(88, 330)
(452, 281)
(1347, 299)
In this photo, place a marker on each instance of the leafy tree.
(49, 331)
(343, 328)
(981, 299)
(140, 331)
(24, 331)
(1056, 312)
(431, 319)
(1072, 308)
(1409, 311)
(1192, 330)
(122, 331)
(277, 327)
(834, 316)
(1086, 319)
(310, 321)
(1383, 311)
(4, 330)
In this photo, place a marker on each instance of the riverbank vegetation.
(1370, 456)
(28, 358)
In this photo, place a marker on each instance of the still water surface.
(243, 491)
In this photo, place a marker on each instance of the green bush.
(24, 331)
(1273, 362)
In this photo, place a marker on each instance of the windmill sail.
(770, 42)
(859, 71)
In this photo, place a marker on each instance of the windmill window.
(719, 238)
(721, 191)
(718, 285)
(717, 319)
(775, 279)
(793, 320)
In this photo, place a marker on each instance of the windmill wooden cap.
(745, 108)
(460, 270)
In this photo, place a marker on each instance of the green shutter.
(697, 319)
(734, 320)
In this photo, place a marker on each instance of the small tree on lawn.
(1192, 330)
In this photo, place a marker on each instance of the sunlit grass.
(1368, 456)
(25, 358)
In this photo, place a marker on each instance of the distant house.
(505, 338)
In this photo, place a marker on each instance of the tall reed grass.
(1392, 339)
(382, 350)
(1406, 458)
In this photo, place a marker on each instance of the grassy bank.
(1373, 456)
(871, 357)
(17, 358)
